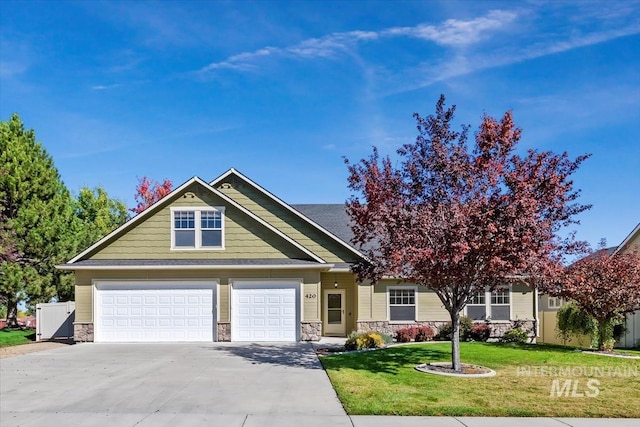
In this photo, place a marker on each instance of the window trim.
(198, 227)
(558, 302)
(414, 288)
(488, 304)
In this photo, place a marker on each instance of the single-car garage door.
(264, 312)
(154, 311)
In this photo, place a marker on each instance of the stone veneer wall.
(497, 328)
(389, 328)
(83, 332)
(310, 331)
(224, 331)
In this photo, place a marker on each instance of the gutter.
(71, 267)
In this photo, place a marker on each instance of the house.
(549, 306)
(631, 337)
(229, 261)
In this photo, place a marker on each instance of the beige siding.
(244, 237)
(84, 298)
(347, 282)
(364, 294)
(379, 300)
(285, 221)
(430, 307)
(522, 303)
(309, 279)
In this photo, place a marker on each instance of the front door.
(334, 319)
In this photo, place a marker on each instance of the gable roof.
(165, 200)
(333, 217)
(629, 238)
(322, 229)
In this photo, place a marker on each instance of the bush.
(574, 322)
(388, 339)
(480, 332)
(424, 333)
(404, 335)
(446, 331)
(517, 335)
(359, 341)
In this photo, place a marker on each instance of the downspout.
(535, 311)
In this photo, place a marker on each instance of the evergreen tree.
(38, 226)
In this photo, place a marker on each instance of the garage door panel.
(155, 313)
(264, 312)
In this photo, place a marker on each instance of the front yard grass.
(384, 382)
(9, 337)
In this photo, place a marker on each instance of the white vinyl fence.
(631, 338)
(55, 320)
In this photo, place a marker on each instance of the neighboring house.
(631, 338)
(228, 260)
(549, 305)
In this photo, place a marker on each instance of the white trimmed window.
(556, 302)
(197, 228)
(477, 308)
(500, 304)
(494, 305)
(402, 304)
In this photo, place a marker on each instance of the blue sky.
(282, 90)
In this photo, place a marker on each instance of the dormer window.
(197, 228)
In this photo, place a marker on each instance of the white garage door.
(264, 312)
(154, 312)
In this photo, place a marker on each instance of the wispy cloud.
(468, 63)
(452, 32)
(106, 87)
(455, 32)
(15, 59)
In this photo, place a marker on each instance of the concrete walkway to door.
(169, 384)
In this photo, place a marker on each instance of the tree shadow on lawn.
(299, 355)
(388, 360)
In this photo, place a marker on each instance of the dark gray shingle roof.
(333, 217)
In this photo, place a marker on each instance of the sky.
(283, 91)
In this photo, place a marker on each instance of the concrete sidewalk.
(167, 419)
(373, 421)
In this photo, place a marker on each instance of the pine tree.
(38, 227)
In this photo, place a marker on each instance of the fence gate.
(55, 320)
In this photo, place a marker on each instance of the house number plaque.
(311, 296)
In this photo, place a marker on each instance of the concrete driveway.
(168, 384)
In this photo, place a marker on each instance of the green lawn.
(9, 337)
(385, 382)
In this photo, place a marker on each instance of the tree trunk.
(455, 340)
(12, 313)
(602, 334)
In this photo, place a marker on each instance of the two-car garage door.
(155, 312)
(141, 311)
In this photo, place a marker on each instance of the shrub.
(404, 335)
(359, 341)
(480, 332)
(446, 330)
(424, 333)
(517, 335)
(388, 339)
(574, 322)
